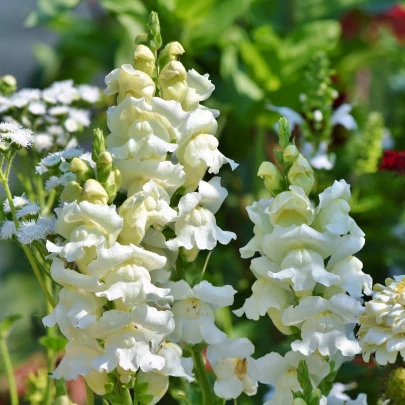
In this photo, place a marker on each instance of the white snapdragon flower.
(199, 89)
(322, 323)
(281, 372)
(268, 295)
(338, 397)
(382, 325)
(259, 214)
(146, 208)
(175, 366)
(196, 224)
(84, 225)
(194, 311)
(132, 339)
(232, 362)
(126, 80)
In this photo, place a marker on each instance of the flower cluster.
(123, 307)
(393, 161)
(382, 324)
(308, 281)
(57, 113)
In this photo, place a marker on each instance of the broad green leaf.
(54, 343)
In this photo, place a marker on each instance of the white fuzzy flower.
(29, 209)
(32, 230)
(61, 92)
(126, 80)
(194, 311)
(382, 326)
(132, 339)
(281, 372)
(259, 214)
(7, 230)
(232, 362)
(15, 134)
(37, 108)
(77, 119)
(18, 202)
(196, 224)
(148, 207)
(322, 323)
(43, 142)
(91, 94)
(59, 110)
(23, 97)
(51, 160)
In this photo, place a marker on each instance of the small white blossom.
(37, 108)
(14, 133)
(29, 209)
(61, 92)
(232, 362)
(18, 202)
(32, 230)
(43, 142)
(22, 97)
(194, 311)
(91, 94)
(7, 230)
(77, 119)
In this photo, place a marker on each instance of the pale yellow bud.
(273, 180)
(94, 192)
(72, 192)
(63, 400)
(189, 255)
(173, 81)
(301, 174)
(144, 60)
(290, 154)
(81, 169)
(170, 52)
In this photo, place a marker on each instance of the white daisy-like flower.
(18, 201)
(37, 108)
(59, 110)
(61, 92)
(70, 153)
(7, 230)
(24, 96)
(194, 311)
(77, 119)
(43, 142)
(88, 93)
(232, 362)
(52, 160)
(29, 209)
(382, 326)
(32, 230)
(14, 133)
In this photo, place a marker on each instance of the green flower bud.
(113, 184)
(395, 388)
(144, 60)
(8, 85)
(173, 81)
(290, 154)
(72, 192)
(81, 169)
(301, 174)
(94, 192)
(104, 166)
(170, 52)
(98, 144)
(189, 255)
(299, 401)
(273, 180)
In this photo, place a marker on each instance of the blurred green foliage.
(256, 52)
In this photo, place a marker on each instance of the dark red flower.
(393, 161)
(394, 18)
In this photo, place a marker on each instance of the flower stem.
(202, 377)
(30, 257)
(9, 371)
(126, 396)
(89, 396)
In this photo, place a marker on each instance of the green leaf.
(304, 379)
(145, 399)
(54, 343)
(7, 323)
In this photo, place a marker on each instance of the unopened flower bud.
(98, 144)
(173, 81)
(81, 169)
(8, 85)
(301, 174)
(290, 155)
(189, 255)
(273, 179)
(144, 60)
(94, 192)
(113, 184)
(63, 400)
(170, 52)
(72, 192)
(104, 166)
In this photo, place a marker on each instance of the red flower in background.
(393, 161)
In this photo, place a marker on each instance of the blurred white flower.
(15, 134)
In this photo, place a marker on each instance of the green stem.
(9, 370)
(126, 396)
(30, 257)
(49, 203)
(89, 396)
(202, 376)
(260, 155)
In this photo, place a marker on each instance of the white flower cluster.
(308, 282)
(32, 226)
(117, 306)
(56, 113)
(382, 325)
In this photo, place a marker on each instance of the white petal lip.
(217, 297)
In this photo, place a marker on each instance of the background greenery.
(256, 52)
